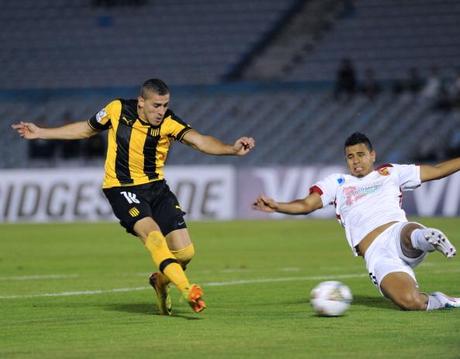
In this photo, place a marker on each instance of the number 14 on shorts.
(130, 197)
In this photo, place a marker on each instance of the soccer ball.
(331, 298)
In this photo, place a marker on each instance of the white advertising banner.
(45, 195)
(204, 192)
(51, 195)
(283, 184)
(435, 198)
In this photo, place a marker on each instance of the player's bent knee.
(402, 290)
(409, 227)
(155, 240)
(410, 301)
(184, 255)
(145, 226)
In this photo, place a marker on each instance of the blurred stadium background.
(298, 75)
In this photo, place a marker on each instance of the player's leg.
(160, 284)
(181, 246)
(132, 207)
(402, 290)
(416, 240)
(170, 267)
(170, 218)
(391, 270)
(183, 250)
(390, 274)
(148, 230)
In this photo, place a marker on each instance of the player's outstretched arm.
(441, 170)
(212, 146)
(299, 206)
(72, 131)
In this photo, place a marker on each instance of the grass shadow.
(367, 301)
(147, 309)
(375, 302)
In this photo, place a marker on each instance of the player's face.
(360, 160)
(153, 107)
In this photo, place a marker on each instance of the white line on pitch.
(229, 270)
(70, 294)
(40, 277)
(285, 279)
(210, 284)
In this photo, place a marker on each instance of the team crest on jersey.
(384, 171)
(134, 212)
(340, 180)
(100, 115)
(154, 132)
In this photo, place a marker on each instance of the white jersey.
(363, 204)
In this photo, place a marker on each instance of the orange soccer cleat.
(193, 297)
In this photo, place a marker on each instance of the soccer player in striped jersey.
(140, 132)
(368, 205)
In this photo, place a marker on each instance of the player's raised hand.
(27, 130)
(265, 204)
(243, 145)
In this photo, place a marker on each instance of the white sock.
(434, 303)
(438, 300)
(418, 240)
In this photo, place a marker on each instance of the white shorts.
(385, 255)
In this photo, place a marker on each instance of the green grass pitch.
(80, 291)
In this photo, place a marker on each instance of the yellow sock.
(184, 256)
(165, 260)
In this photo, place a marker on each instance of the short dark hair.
(154, 85)
(357, 138)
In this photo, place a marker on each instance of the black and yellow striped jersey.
(136, 150)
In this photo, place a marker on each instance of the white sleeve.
(327, 188)
(409, 177)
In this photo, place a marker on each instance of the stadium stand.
(386, 35)
(292, 125)
(107, 51)
(62, 44)
(292, 42)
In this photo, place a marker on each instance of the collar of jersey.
(146, 123)
(362, 178)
